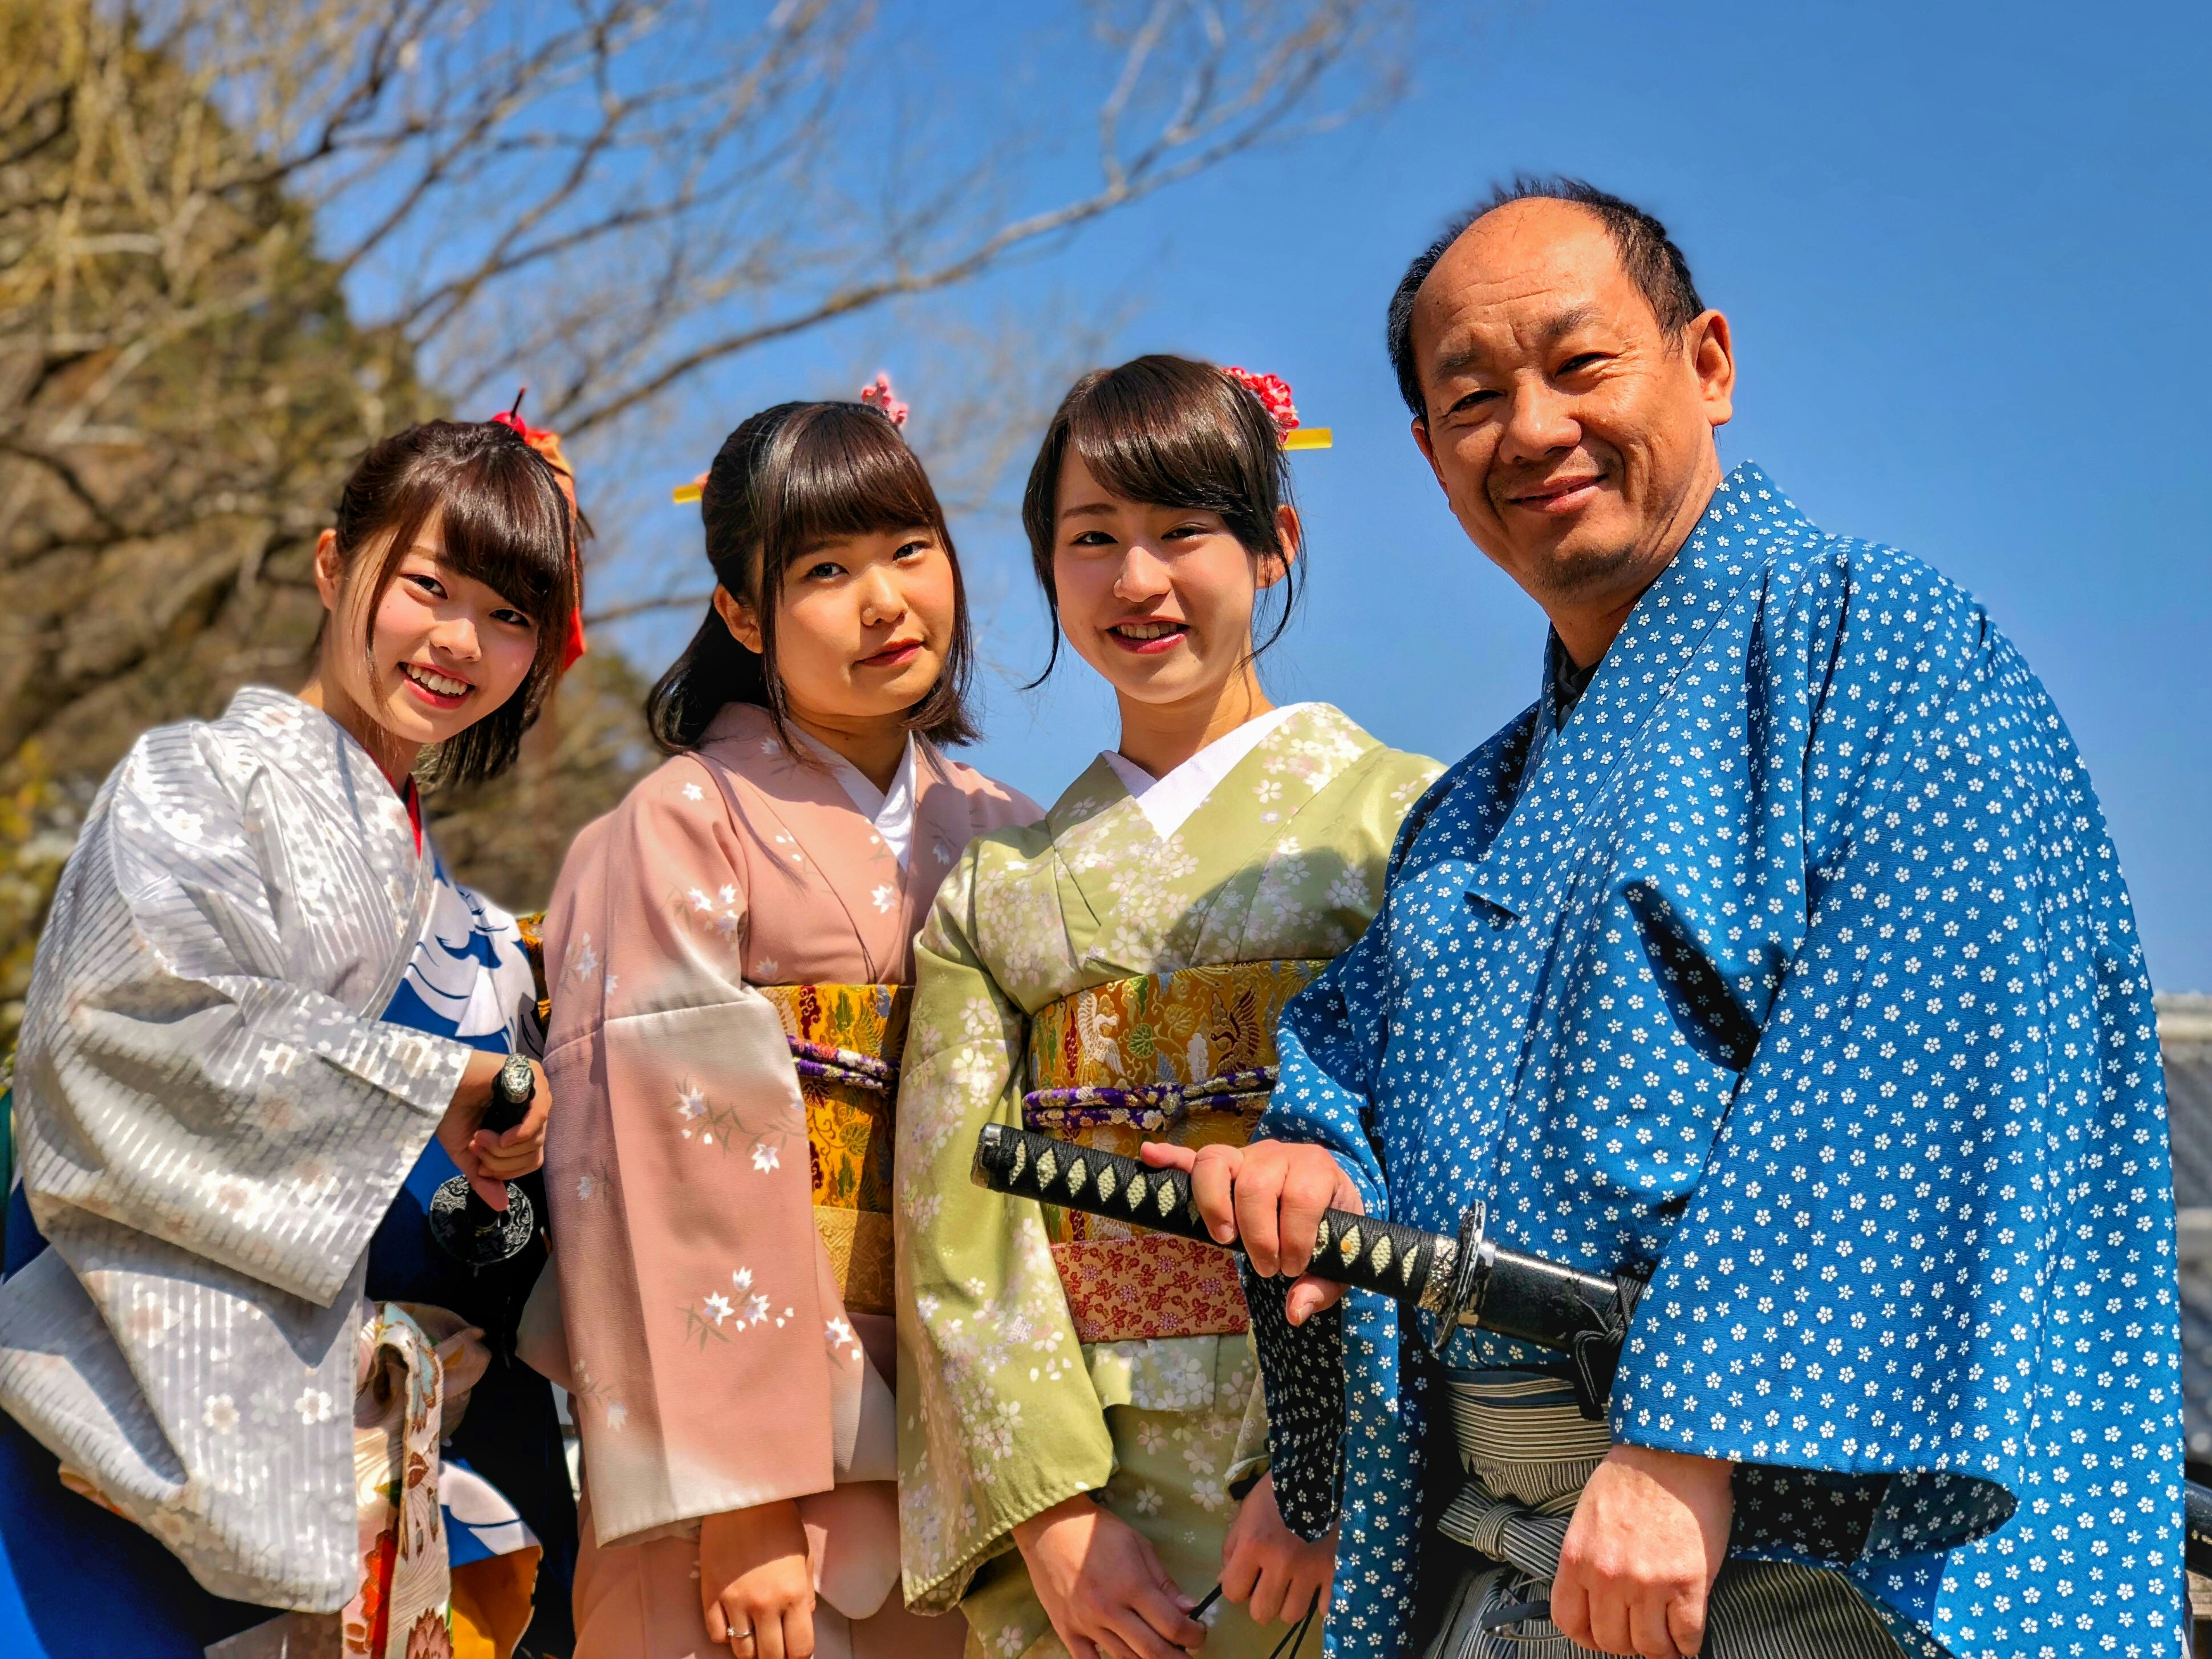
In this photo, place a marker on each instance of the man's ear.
(1712, 360)
(1428, 449)
(737, 616)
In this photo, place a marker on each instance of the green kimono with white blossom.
(1049, 932)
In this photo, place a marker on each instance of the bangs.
(1170, 441)
(1169, 432)
(504, 523)
(842, 470)
(502, 518)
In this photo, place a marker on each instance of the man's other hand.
(1272, 1571)
(1648, 1537)
(1271, 1194)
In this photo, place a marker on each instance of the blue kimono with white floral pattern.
(1796, 970)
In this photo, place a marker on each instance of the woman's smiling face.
(444, 650)
(1158, 600)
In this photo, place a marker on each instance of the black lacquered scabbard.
(1467, 1280)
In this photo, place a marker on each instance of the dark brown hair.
(788, 479)
(1169, 432)
(504, 522)
(1647, 254)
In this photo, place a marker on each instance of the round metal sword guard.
(1470, 1278)
(459, 1235)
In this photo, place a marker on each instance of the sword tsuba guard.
(1457, 1287)
(457, 1231)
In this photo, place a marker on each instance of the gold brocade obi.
(846, 1041)
(1187, 1057)
(532, 928)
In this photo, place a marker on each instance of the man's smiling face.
(1572, 438)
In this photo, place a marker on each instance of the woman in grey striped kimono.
(245, 1039)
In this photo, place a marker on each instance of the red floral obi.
(846, 1041)
(1187, 1057)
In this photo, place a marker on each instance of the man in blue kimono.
(1778, 952)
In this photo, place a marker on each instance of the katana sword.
(1469, 1280)
(1464, 1281)
(464, 1226)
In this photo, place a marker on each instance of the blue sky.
(1964, 249)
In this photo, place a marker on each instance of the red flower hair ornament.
(547, 443)
(1273, 393)
(877, 395)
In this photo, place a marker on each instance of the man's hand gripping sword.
(1465, 1281)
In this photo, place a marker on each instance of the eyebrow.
(1088, 510)
(821, 544)
(1556, 329)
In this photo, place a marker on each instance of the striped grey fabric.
(211, 1122)
(1526, 1451)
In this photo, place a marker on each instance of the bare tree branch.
(631, 609)
(239, 239)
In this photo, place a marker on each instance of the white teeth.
(430, 679)
(1146, 630)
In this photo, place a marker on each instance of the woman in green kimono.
(1086, 1410)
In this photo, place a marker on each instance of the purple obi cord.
(1153, 1107)
(845, 1066)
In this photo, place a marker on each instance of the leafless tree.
(240, 238)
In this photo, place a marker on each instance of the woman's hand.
(1649, 1532)
(1266, 1565)
(491, 1161)
(756, 1583)
(1270, 1196)
(1102, 1587)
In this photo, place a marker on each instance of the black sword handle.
(1468, 1280)
(512, 1091)
(1397, 1260)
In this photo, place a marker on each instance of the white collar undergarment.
(1167, 803)
(891, 813)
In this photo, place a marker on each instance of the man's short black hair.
(1653, 264)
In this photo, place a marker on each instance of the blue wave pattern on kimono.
(1797, 969)
(470, 980)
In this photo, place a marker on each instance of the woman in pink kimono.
(730, 954)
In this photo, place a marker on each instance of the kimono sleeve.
(1927, 1241)
(998, 1419)
(182, 1074)
(1327, 1043)
(708, 1359)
